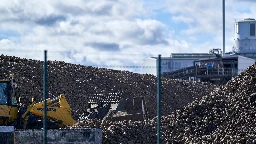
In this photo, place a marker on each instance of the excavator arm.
(58, 110)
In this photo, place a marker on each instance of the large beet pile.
(226, 115)
(80, 82)
(222, 115)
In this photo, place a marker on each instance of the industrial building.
(245, 38)
(214, 66)
(175, 62)
(217, 70)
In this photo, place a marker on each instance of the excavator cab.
(6, 97)
(8, 102)
(4, 93)
(27, 114)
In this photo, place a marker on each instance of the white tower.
(245, 36)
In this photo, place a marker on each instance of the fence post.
(45, 97)
(159, 100)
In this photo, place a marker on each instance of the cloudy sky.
(116, 32)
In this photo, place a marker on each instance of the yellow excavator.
(24, 115)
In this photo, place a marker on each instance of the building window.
(237, 30)
(252, 29)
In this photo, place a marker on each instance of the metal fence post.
(45, 97)
(223, 25)
(159, 100)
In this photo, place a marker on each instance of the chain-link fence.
(197, 103)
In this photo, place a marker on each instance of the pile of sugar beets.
(192, 111)
(226, 115)
(79, 83)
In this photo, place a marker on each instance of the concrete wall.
(6, 135)
(72, 136)
(244, 63)
(149, 66)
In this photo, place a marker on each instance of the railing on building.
(205, 74)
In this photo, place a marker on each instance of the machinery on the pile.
(129, 109)
(28, 114)
(117, 110)
(25, 114)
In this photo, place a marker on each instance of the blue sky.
(116, 32)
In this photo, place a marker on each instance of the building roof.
(191, 55)
(187, 56)
(248, 20)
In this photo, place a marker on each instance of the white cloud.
(84, 30)
(204, 21)
(6, 44)
(199, 15)
(114, 32)
(183, 19)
